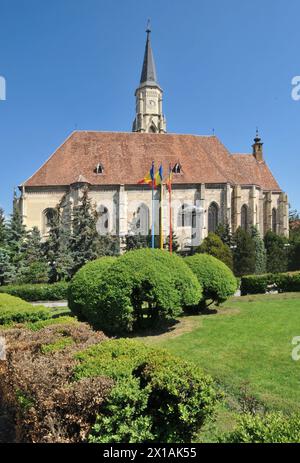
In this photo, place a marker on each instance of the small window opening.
(99, 169)
(177, 168)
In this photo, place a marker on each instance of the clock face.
(151, 103)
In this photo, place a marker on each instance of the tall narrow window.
(142, 222)
(184, 216)
(244, 217)
(274, 220)
(103, 221)
(213, 217)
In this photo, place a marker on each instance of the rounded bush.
(84, 290)
(141, 286)
(216, 278)
(157, 396)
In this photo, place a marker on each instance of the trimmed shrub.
(158, 397)
(85, 288)
(254, 284)
(271, 428)
(259, 284)
(141, 287)
(37, 387)
(15, 310)
(38, 292)
(215, 277)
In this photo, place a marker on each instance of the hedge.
(216, 278)
(139, 288)
(259, 284)
(271, 428)
(157, 396)
(38, 292)
(15, 310)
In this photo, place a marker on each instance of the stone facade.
(210, 185)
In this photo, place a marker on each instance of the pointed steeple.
(149, 114)
(148, 75)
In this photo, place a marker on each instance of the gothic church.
(210, 184)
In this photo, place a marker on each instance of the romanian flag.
(169, 179)
(149, 179)
(159, 176)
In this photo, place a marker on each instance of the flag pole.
(161, 232)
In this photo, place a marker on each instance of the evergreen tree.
(34, 247)
(214, 246)
(57, 248)
(107, 245)
(136, 241)
(16, 239)
(37, 268)
(277, 248)
(84, 240)
(260, 252)
(244, 253)
(224, 232)
(2, 228)
(294, 256)
(175, 244)
(7, 270)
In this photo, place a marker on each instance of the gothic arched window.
(244, 217)
(213, 217)
(274, 220)
(49, 216)
(103, 220)
(142, 220)
(184, 216)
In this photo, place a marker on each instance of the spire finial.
(257, 137)
(148, 30)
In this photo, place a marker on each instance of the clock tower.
(149, 116)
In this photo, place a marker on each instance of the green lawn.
(248, 340)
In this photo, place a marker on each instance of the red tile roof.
(127, 157)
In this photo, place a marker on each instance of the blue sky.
(75, 64)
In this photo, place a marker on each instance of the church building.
(210, 184)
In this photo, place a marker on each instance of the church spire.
(149, 116)
(148, 75)
(258, 147)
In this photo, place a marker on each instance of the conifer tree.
(260, 252)
(2, 228)
(7, 270)
(84, 240)
(277, 252)
(224, 232)
(244, 253)
(16, 238)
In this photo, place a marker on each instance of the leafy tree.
(214, 246)
(84, 237)
(260, 252)
(277, 252)
(224, 232)
(244, 253)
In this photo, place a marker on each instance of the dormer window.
(177, 168)
(99, 169)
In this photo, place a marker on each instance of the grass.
(248, 341)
